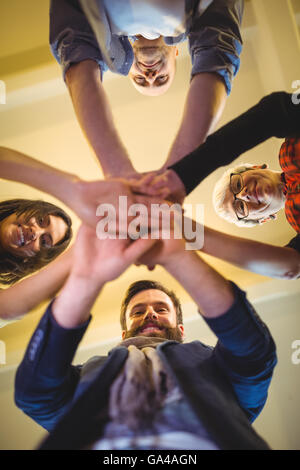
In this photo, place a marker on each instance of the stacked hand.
(103, 260)
(163, 183)
(106, 259)
(84, 197)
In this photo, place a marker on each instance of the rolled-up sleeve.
(215, 41)
(71, 38)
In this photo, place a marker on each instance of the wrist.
(73, 305)
(174, 261)
(178, 266)
(85, 282)
(68, 188)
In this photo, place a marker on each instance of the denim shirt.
(80, 30)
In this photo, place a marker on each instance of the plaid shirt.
(289, 159)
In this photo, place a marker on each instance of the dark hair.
(13, 268)
(139, 286)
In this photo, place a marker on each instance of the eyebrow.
(145, 83)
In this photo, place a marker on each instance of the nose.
(150, 75)
(34, 232)
(151, 313)
(244, 194)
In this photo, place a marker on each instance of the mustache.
(154, 323)
(166, 332)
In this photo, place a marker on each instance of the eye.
(236, 184)
(139, 80)
(136, 314)
(162, 79)
(43, 221)
(241, 208)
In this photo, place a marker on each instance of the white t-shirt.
(148, 18)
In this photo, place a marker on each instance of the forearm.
(95, 118)
(261, 258)
(204, 105)
(26, 295)
(210, 291)
(72, 307)
(274, 116)
(16, 166)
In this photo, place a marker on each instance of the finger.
(143, 179)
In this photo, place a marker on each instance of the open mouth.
(21, 236)
(151, 328)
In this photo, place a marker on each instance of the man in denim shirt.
(153, 390)
(138, 38)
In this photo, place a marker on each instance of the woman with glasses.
(247, 195)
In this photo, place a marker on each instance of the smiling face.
(153, 69)
(152, 313)
(261, 190)
(26, 238)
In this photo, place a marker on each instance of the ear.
(271, 217)
(176, 51)
(123, 334)
(181, 327)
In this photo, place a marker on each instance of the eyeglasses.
(240, 206)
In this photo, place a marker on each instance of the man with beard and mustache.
(153, 390)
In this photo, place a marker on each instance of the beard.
(166, 332)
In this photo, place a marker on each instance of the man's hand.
(95, 262)
(165, 184)
(86, 196)
(101, 261)
(171, 245)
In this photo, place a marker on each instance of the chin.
(159, 334)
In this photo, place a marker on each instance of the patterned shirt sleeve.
(289, 159)
(71, 37)
(215, 41)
